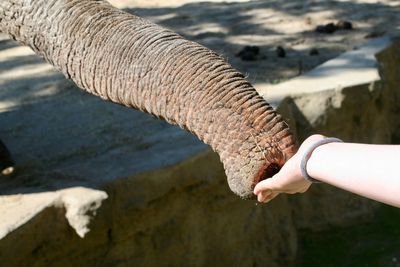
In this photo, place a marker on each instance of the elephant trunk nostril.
(269, 171)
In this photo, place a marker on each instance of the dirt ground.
(228, 26)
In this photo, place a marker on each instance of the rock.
(343, 97)
(280, 52)
(390, 72)
(181, 215)
(344, 25)
(327, 28)
(332, 27)
(314, 52)
(249, 53)
(80, 206)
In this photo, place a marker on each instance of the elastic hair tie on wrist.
(308, 153)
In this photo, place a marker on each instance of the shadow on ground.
(227, 27)
(62, 137)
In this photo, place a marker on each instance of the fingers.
(287, 180)
(266, 190)
(266, 196)
(303, 190)
(263, 195)
(268, 184)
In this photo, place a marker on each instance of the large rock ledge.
(80, 205)
(353, 96)
(160, 198)
(183, 215)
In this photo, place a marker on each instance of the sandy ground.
(227, 26)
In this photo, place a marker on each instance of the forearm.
(372, 171)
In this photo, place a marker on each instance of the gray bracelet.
(308, 153)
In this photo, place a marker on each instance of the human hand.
(289, 179)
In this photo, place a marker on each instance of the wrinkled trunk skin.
(133, 62)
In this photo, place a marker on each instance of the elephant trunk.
(130, 61)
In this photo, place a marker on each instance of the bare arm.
(371, 171)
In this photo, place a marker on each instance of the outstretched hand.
(289, 179)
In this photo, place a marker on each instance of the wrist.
(317, 143)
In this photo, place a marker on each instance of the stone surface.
(390, 73)
(351, 69)
(351, 97)
(182, 215)
(80, 205)
(163, 195)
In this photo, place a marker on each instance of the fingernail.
(266, 193)
(263, 195)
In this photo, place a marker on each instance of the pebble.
(327, 28)
(249, 53)
(280, 51)
(344, 25)
(314, 52)
(332, 27)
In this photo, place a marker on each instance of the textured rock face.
(80, 205)
(183, 215)
(351, 97)
(171, 206)
(390, 73)
(360, 105)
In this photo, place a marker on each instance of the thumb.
(267, 184)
